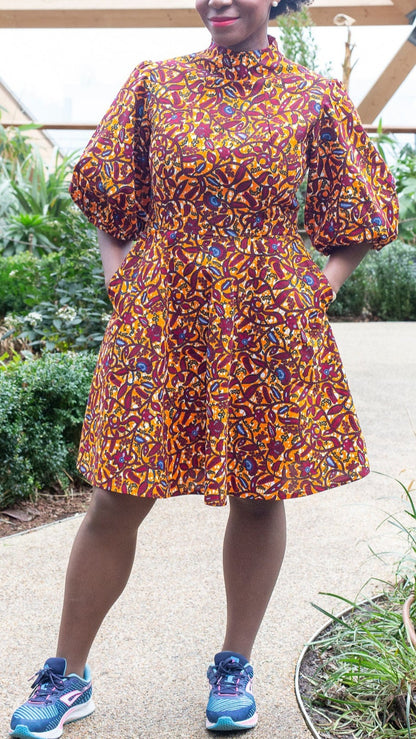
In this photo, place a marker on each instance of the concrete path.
(150, 658)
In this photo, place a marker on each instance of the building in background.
(13, 111)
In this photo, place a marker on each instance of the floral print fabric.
(219, 373)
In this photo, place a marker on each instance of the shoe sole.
(74, 714)
(225, 723)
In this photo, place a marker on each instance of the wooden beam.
(407, 7)
(368, 14)
(95, 14)
(389, 81)
(172, 13)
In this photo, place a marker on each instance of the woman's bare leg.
(99, 566)
(254, 547)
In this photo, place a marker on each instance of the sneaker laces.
(45, 679)
(227, 669)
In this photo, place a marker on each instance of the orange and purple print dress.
(218, 373)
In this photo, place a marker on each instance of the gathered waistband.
(173, 218)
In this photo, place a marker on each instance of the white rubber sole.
(225, 723)
(74, 714)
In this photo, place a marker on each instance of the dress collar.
(241, 61)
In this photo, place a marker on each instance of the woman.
(218, 374)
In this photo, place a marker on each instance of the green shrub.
(42, 404)
(391, 289)
(361, 676)
(59, 301)
(15, 147)
(37, 213)
(382, 287)
(75, 313)
(404, 171)
(298, 42)
(40, 210)
(351, 298)
(25, 280)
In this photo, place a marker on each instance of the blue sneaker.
(231, 705)
(56, 699)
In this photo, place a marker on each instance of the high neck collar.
(226, 58)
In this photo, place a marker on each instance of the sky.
(72, 75)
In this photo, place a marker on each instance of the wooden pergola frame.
(181, 14)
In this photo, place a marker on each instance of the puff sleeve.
(111, 181)
(351, 196)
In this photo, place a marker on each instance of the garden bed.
(47, 508)
(356, 679)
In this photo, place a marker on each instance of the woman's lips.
(221, 22)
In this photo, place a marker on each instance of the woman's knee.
(108, 510)
(256, 508)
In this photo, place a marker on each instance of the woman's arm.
(112, 252)
(342, 263)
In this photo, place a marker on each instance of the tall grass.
(364, 684)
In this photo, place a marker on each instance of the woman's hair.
(288, 6)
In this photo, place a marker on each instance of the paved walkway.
(150, 658)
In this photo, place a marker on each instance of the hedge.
(25, 280)
(383, 286)
(42, 405)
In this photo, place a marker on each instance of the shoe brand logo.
(70, 698)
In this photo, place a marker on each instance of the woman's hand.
(113, 251)
(342, 263)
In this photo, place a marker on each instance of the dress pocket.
(117, 276)
(120, 288)
(315, 281)
(327, 294)
(309, 355)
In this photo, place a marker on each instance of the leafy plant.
(298, 42)
(352, 298)
(36, 211)
(28, 232)
(404, 169)
(12, 349)
(364, 685)
(42, 405)
(386, 143)
(15, 148)
(24, 279)
(60, 327)
(56, 302)
(391, 283)
(41, 204)
(383, 286)
(10, 360)
(75, 313)
(405, 173)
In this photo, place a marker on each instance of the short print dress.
(218, 373)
